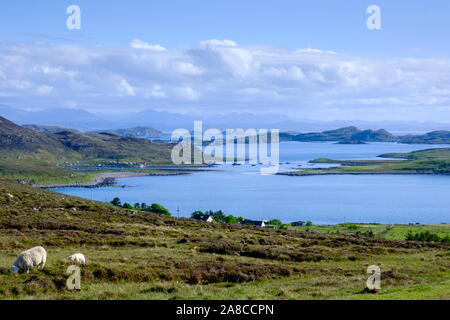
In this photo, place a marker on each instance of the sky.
(306, 59)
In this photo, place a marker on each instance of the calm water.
(242, 191)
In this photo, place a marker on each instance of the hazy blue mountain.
(353, 135)
(166, 121)
(63, 117)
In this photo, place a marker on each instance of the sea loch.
(242, 191)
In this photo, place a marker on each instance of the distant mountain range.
(353, 135)
(19, 144)
(164, 121)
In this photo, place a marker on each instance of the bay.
(242, 191)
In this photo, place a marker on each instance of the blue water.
(242, 191)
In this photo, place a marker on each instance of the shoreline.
(305, 174)
(107, 179)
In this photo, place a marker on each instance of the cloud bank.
(220, 76)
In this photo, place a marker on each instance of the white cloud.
(215, 42)
(125, 88)
(187, 68)
(43, 90)
(311, 50)
(139, 44)
(221, 76)
(188, 93)
(155, 92)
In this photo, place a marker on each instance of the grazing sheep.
(78, 258)
(34, 257)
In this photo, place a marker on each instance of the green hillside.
(47, 129)
(20, 142)
(40, 157)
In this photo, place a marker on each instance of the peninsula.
(429, 161)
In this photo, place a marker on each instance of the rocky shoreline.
(107, 179)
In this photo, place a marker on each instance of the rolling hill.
(36, 157)
(47, 129)
(17, 141)
(144, 132)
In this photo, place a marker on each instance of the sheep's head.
(15, 269)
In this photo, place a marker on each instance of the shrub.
(219, 216)
(116, 202)
(230, 219)
(127, 206)
(352, 226)
(426, 236)
(159, 209)
(275, 222)
(369, 234)
(198, 212)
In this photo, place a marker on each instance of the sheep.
(77, 258)
(34, 257)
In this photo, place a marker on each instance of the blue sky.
(307, 59)
(408, 27)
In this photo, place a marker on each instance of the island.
(353, 135)
(429, 161)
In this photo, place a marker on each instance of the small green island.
(429, 161)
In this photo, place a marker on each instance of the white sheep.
(34, 257)
(77, 258)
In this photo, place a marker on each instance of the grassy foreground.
(146, 256)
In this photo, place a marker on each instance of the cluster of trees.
(219, 216)
(154, 207)
(276, 223)
(426, 236)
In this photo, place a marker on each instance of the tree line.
(154, 207)
(218, 216)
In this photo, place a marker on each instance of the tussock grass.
(147, 256)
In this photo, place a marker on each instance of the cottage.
(203, 217)
(298, 223)
(255, 223)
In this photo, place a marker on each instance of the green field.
(148, 256)
(383, 231)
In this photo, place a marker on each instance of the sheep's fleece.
(77, 257)
(34, 257)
